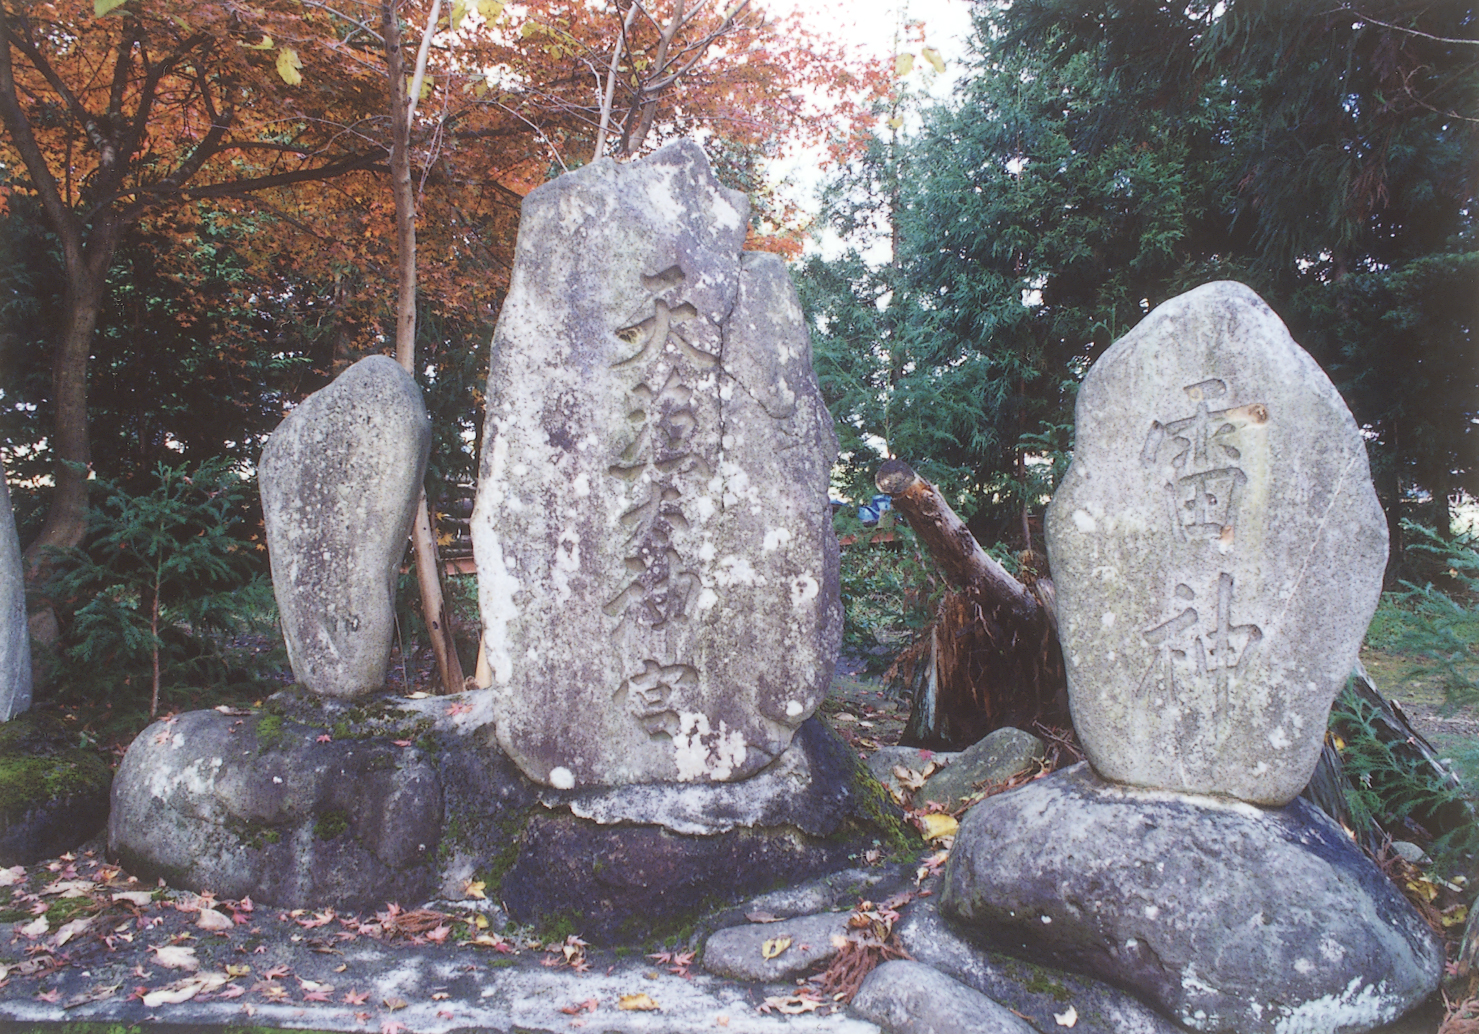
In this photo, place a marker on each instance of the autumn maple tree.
(166, 115)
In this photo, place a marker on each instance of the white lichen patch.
(737, 570)
(561, 778)
(699, 752)
(793, 708)
(1356, 1008)
(775, 538)
(1085, 522)
(707, 599)
(804, 589)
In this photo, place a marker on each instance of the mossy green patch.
(876, 807)
(330, 824)
(1042, 984)
(269, 732)
(27, 781)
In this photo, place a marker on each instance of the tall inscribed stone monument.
(657, 567)
(1218, 551)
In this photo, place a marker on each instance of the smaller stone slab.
(738, 952)
(1002, 755)
(1217, 549)
(1036, 992)
(906, 997)
(1226, 917)
(340, 479)
(15, 641)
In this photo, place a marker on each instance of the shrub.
(157, 577)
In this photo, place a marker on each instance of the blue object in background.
(875, 508)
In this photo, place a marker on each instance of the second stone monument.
(657, 567)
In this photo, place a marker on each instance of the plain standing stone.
(656, 563)
(906, 997)
(15, 642)
(340, 478)
(1218, 552)
(1227, 917)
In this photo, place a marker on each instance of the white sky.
(877, 28)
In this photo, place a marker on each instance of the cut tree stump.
(991, 658)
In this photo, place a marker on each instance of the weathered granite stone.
(657, 567)
(340, 478)
(53, 794)
(1035, 992)
(1217, 549)
(906, 997)
(317, 802)
(1226, 916)
(737, 951)
(15, 641)
(1002, 755)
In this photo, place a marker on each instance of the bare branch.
(1403, 29)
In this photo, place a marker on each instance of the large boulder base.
(1217, 549)
(53, 794)
(340, 479)
(318, 803)
(1225, 916)
(15, 640)
(657, 568)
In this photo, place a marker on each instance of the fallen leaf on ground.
(392, 1026)
(176, 957)
(275, 972)
(791, 1005)
(232, 991)
(935, 826)
(589, 1005)
(35, 928)
(394, 1003)
(13, 875)
(184, 990)
(70, 930)
(637, 1003)
(1066, 1019)
(762, 917)
(355, 997)
(97, 994)
(235, 970)
(53, 996)
(476, 889)
(773, 947)
(134, 897)
(325, 738)
(210, 919)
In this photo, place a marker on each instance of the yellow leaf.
(266, 44)
(903, 64)
(427, 86)
(637, 1003)
(288, 66)
(480, 90)
(459, 12)
(936, 826)
(490, 9)
(1423, 887)
(773, 947)
(102, 7)
(242, 970)
(1455, 916)
(895, 122)
(932, 55)
(480, 921)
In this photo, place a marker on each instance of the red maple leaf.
(275, 972)
(324, 738)
(356, 997)
(316, 996)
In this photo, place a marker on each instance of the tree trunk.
(991, 657)
(423, 537)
